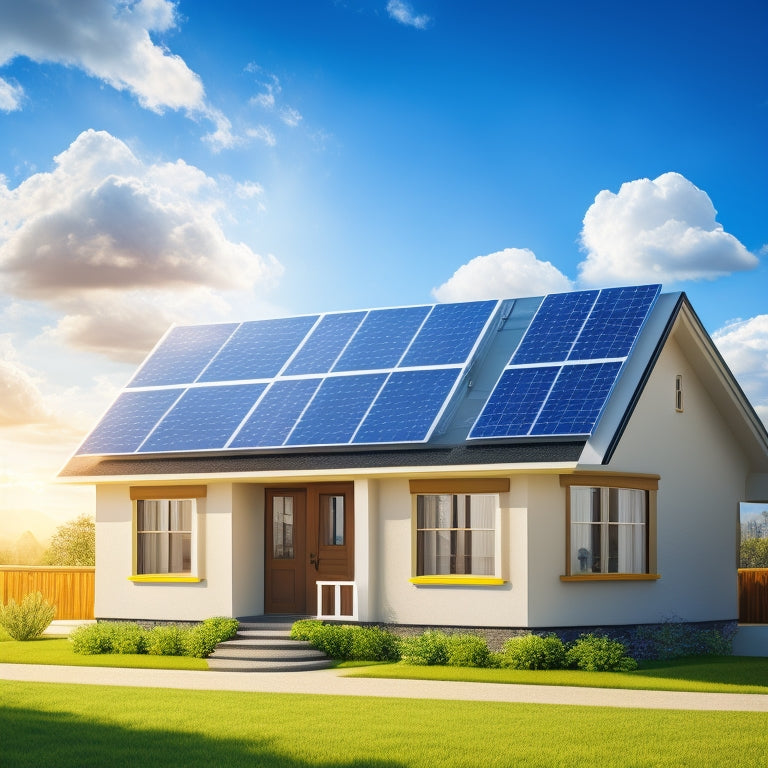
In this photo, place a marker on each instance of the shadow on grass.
(34, 739)
(728, 670)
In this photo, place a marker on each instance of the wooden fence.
(71, 590)
(753, 595)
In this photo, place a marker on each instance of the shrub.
(465, 650)
(92, 639)
(533, 652)
(166, 640)
(598, 653)
(374, 644)
(201, 640)
(128, 638)
(29, 618)
(347, 641)
(306, 629)
(426, 649)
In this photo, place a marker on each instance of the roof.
(522, 381)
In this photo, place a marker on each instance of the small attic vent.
(679, 393)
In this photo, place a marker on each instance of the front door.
(309, 538)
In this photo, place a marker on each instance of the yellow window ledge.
(163, 578)
(474, 581)
(614, 577)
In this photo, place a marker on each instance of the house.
(572, 460)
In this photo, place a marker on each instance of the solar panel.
(129, 420)
(202, 419)
(381, 339)
(258, 350)
(326, 342)
(336, 410)
(407, 406)
(449, 334)
(182, 355)
(278, 410)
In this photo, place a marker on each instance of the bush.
(201, 640)
(29, 618)
(167, 640)
(598, 653)
(93, 639)
(306, 629)
(465, 650)
(345, 642)
(128, 638)
(426, 649)
(374, 644)
(533, 652)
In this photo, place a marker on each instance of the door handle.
(314, 560)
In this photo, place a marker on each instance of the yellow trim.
(459, 485)
(163, 578)
(474, 581)
(614, 577)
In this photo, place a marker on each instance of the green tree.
(754, 553)
(74, 543)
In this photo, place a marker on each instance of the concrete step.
(242, 665)
(264, 642)
(283, 654)
(269, 634)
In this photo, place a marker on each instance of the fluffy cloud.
(663, 230)
(507, 273)
(20, 400)
(403, 13)
(744, 346)
(103, 231)
(110, 40)
(10, 96)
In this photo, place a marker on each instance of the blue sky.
(179, 162)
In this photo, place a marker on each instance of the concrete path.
(333, 682)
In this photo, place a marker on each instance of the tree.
(754, 553)
(74, 543)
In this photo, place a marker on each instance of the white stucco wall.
(119, 598)
(702, 482)
(247, 549)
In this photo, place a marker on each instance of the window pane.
(282, 528)
(332, 520)
(434, 511)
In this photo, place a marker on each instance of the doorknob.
(314, 560)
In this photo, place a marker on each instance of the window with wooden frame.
(165, 524)
(456, 532)
(610, 526)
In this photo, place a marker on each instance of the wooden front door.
(309, 538)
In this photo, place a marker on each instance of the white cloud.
(110, 40)
(513, 272)
(20, 400)
(103, 229)
(744, 346)
(268, 100)
(262, 133)
(10, 96)
(663, 230)
(404, 14)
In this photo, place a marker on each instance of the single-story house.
(572, 460)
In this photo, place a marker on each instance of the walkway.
(333, 682)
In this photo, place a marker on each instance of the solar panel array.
(558, 381)
(353, 378)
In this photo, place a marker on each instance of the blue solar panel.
(258, 350)
(382, 339)
(615, 322)
(183, 353)
(203, 419)
(129, 421)
(554, 328)
(577, 399)
(515, 402)
(336, 410)
(276, 413)
(449, 334)
(325, 344)
(407, 407)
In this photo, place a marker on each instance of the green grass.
(713, 674)
(68, 725)
(58, 650)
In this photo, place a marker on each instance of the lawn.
(67, 725)
(714, 674)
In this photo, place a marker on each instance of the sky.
(172, 162)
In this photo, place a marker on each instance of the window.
(456, 534)
(164, 536)
(679, 393)
(611, 526)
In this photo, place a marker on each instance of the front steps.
(263, 644)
